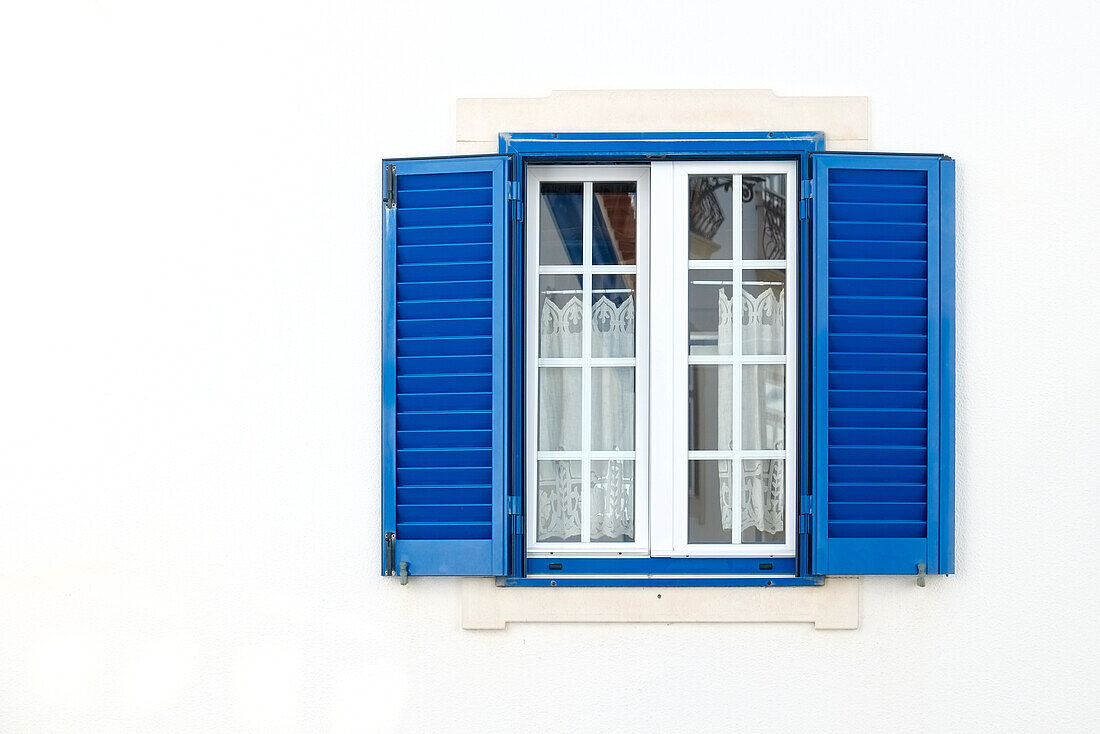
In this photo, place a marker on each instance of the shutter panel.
(883, 364)
(445, 260)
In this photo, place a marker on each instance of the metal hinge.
(515, 513)
(805, 201)
(391, 552)
(515, 196)
(390, 193)
(804, 523)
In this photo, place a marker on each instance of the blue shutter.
(445, 265)
(883, 364)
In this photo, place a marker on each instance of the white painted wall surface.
(190, 324)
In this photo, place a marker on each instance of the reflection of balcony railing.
(773, 206)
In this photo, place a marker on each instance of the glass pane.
(561, 316)
(559, 501)
(763, 312)
(710, 501)
(762, 501)
(559, 408)
(710, 407)
(614, 228)
(762, 407)
(613, 306)
(710, 217)
(710, 312)
(612, 408)
(561, 232)
(764, 216)
(612, 501)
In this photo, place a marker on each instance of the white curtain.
(611, 482)
(763, 331)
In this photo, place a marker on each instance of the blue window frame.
(876, 450)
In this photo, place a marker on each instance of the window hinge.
(804, 523)
(515, 513)
(805, 202)
(517, 210)
(390, 193)
(513, 191)
(391, 552)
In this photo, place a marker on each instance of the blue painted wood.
(445, 375)
(883, 390)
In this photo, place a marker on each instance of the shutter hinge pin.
(920, 575)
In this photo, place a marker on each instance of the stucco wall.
(189, 458)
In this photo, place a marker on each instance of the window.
(668, 358)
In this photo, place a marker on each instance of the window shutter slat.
(445, 264)
(883, 370)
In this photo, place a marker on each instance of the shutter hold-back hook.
(920, 574)
(405, 573)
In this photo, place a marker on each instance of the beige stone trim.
(844, 120)
(832, 606)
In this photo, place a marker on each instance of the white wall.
(190, 326)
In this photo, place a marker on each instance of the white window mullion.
(586, 373)
(738, 368)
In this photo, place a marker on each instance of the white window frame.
(586, 174)
(661, 358)
(669, 469)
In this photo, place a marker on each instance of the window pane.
(762, 501)
(559, 408)
(561, 232)
(763, 312)
(613, 312)
(710, 501)
(613, 409)
(762, 407)
(612, 501)
(559, 501)
(764, 216)
(614, 223)
(561, 316)
(710, 312)
(710, 407)
(710, 217)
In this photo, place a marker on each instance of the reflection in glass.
(763, 312)
(762, 501)
(764, 216)
(710, 497)
(710, 312)
(612, 501)
(614, 223)
(561, 229)
(612, 409)
(613, 313)
(762, 407)
(710, 217)
(710, 407)
(559, 501)
(559, 408)
(561, 326)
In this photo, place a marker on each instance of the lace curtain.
(611, 425)
(763, 331)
